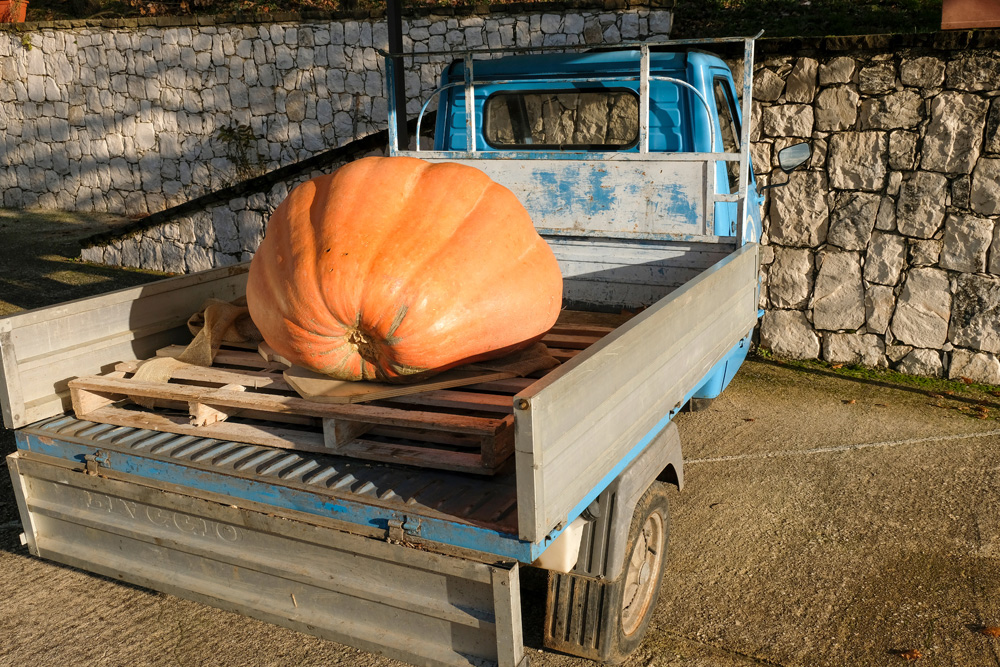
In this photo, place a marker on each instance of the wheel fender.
(602, 549)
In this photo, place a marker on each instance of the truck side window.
(730, 129)
(597, 118)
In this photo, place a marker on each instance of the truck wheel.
(607, 620)
(637, 588)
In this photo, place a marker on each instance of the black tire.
(619, 610)
(636, 590)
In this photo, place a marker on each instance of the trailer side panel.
(444, 611)
(582, 423)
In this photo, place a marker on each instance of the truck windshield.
(605, 119)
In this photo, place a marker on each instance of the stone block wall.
(885, 251)
(125, 116)
(217, 235)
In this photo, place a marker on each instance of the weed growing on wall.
(240, 145)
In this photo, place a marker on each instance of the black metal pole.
(394, 20)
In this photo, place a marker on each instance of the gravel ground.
(825, 521)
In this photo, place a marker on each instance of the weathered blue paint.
(560, 191)
(679, 204)
(249, 488)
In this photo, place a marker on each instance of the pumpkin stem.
(363, 345)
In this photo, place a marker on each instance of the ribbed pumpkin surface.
(394, 266)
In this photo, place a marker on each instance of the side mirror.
(790, 158)
(793, 157)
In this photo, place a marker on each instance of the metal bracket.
(96, 460)
(398, 529)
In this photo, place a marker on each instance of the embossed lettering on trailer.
(184, 523)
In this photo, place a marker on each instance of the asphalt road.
(824, 521)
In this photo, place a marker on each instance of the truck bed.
(574, 429)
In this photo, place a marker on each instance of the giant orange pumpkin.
(392, 267)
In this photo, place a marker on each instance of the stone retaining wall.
(885, 251)
(125, 116)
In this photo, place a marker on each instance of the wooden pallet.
(244, 398)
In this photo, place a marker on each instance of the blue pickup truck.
(634, 164)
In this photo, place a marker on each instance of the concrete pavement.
(825, 521)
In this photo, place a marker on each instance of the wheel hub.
(640, 577)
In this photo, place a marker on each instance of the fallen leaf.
(950, 393)
(912, 654)
(967, 380)
(749, 419)
(836, 366)
(850, 402)
(936, 396)
(991, 631)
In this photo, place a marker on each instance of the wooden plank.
(183, 407)
(572, 341)
(459, 400)
(339, 432)
(580, 330)
(454, 440)
(497, 449)
(324, 389)
(203, 415)
(285, 404)
(510, 386)
(417, 456)
(268, 353)
(586, 415)
(220, 376)
(571, 317)
(42, 349)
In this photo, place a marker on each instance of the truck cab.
(589, 102)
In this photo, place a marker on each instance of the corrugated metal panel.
(488, 503)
